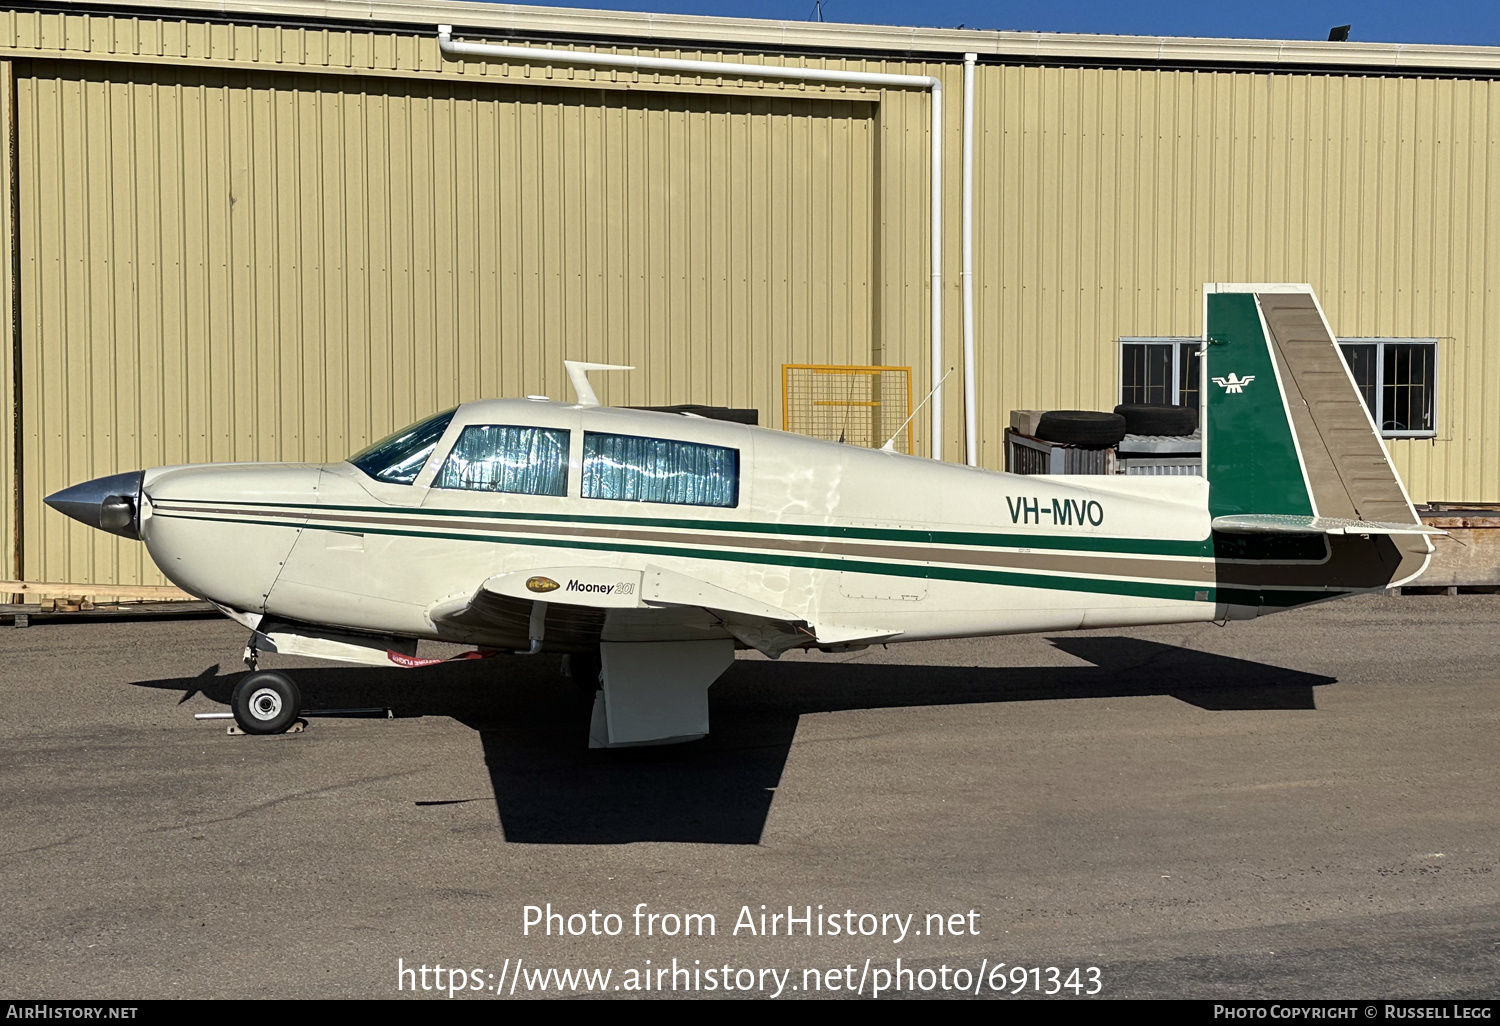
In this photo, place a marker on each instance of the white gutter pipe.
(868, 78)
(966, 270)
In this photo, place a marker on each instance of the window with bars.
(1398, 379)
(1160, 370)
(1396, 376)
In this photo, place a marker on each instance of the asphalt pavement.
(1303, 806)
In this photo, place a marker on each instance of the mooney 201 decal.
(648, 546)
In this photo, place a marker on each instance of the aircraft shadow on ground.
(551, 789)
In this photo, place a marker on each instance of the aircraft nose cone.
(108, 503)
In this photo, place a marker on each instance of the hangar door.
(224, 265)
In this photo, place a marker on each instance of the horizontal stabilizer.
(1270, 523)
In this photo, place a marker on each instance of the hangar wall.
(230, 265)
(267, 241)
(1108, 197)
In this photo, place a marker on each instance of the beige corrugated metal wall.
(1108, 196)
(249, 242)
(249, 266)
(8, 526)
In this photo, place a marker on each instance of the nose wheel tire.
(266, 703)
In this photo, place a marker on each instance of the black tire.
(1158, 419)
(1081, 427)
(585, 669)
(266, 703)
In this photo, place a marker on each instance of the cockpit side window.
(399, 458)
(659, 470)
(495, 458)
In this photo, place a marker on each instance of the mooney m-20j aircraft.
(649, 546)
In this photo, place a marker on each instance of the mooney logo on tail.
(1234, 384)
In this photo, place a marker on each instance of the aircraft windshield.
(398, 458)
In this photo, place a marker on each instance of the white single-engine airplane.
(649, 546)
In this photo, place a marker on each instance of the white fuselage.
(841, 537)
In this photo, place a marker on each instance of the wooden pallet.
(48, 598)
(21, 614)
(35, 591)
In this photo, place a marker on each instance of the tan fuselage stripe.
(1190, 570)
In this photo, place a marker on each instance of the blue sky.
(1385, 21)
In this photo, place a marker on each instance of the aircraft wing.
(586, 605)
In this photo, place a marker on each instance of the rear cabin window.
(638, 469)
(399, 458)
(518, 460)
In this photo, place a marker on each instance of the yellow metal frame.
(839, 368)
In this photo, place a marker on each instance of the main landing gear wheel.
(266, 703)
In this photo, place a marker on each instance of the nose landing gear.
(266, 702)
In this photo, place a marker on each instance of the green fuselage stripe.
(1183, 593)
(1088, 543)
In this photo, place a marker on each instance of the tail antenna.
(578, 374)
(890, 443)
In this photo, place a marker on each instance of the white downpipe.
(931, 83)
(966, 271)
(935, 215)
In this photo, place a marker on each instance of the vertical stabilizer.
(1286, 431)
(1251, 454)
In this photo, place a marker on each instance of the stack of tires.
(1158, 419)
(1088, 429)
(1091, 429)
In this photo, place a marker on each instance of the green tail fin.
(1250, 448)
